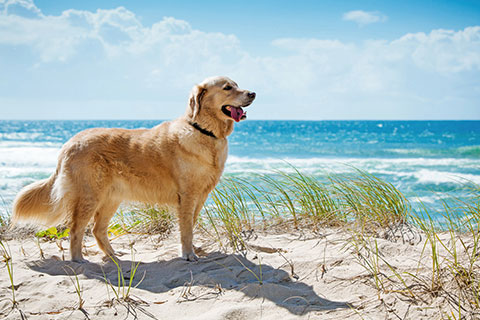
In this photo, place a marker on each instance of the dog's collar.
(202, 130)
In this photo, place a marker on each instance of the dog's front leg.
(185, 218)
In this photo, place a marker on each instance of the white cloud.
(117, 31)
(364, 17)
(25, 8)
(109, 55)
(443, 50)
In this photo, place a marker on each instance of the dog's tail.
(36, 204)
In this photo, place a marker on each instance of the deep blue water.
(393, 139)
(418, 157)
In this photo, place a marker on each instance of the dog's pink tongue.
(237, 113)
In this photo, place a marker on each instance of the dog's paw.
(190, 256)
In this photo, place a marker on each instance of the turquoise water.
(421, 158)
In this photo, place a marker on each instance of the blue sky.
(305, 59)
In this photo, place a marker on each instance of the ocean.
(425, 160)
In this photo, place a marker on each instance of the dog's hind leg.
(82, 213)
(102, 219)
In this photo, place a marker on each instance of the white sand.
(326, 283)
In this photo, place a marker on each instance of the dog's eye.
(227, 88)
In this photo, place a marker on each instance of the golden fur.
(173, 163)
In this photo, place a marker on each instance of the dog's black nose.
(252, 95)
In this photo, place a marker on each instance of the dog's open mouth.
(236, 113)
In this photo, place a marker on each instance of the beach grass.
(142, 219)
(122, 289)
(8, 261)
(77, 287)
(356, 199)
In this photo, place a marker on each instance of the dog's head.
(220, 98)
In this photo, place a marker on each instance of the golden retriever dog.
(177, 163)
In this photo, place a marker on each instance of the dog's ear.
(195, 99)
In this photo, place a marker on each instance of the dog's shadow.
(217, 271)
